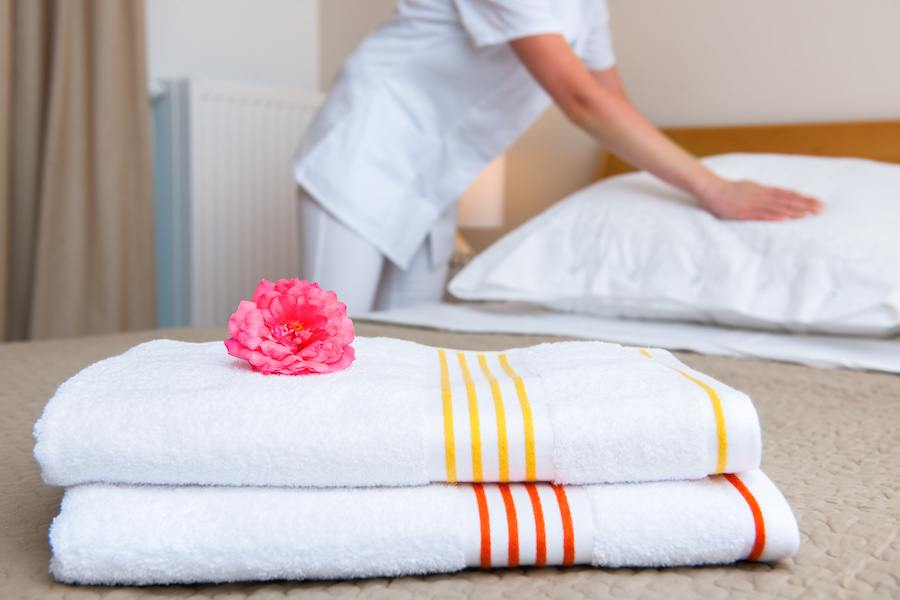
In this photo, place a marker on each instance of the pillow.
(631, 246)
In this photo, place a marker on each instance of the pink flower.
(292, 327)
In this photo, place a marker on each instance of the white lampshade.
(481, 206)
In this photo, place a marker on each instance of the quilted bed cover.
(830, 440)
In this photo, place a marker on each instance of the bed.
(873, 140)
(830, 443)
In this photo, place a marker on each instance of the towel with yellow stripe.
(174, 413)
(160, 535)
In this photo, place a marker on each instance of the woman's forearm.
(610, 80)
(615, 122)
(597, 104)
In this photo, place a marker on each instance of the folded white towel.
(149, 535)
(168, 412)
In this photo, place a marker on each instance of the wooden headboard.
(875, 140)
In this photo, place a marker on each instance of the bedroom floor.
(830, 443)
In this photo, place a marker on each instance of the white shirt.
(425, 103)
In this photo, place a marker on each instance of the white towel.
(156, 535)
(168, 412)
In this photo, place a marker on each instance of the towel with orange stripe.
(174, 413)
(160, 535)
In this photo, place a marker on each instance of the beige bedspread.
(831, 442)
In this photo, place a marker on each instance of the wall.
(274, 43)
(342, 25)
(692, 63)
(271, 42)
(713, 62)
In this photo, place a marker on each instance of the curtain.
(5, 156)
(76, 191)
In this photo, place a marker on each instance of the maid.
(434, 95)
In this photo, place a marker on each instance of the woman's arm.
(610, 79)
(597, 104)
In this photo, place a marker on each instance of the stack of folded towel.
(184, 465)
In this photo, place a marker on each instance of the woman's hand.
(749, 201)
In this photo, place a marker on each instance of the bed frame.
(875, 140)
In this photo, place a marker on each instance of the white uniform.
(424, 104)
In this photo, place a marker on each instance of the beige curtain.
(5, 155)
(76, 193)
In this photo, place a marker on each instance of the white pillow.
(632, 246)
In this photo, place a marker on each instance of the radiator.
(226, 201)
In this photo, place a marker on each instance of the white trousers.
(339, 259)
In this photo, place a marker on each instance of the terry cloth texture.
(146, 535)
(831, 446)
(169, 412)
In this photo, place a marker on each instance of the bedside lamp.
(481, 206)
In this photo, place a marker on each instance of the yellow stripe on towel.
(721, 431)
(447, 402)
(528, 420)
(500, 410)
(477, 472)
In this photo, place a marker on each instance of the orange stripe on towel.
(474, 422)
(718, 413)
(527, 418)
(512, 524)
(540, 530)
(759, 524)
(500, 413)
(484, 522)
(447, 409)
(568, 530)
